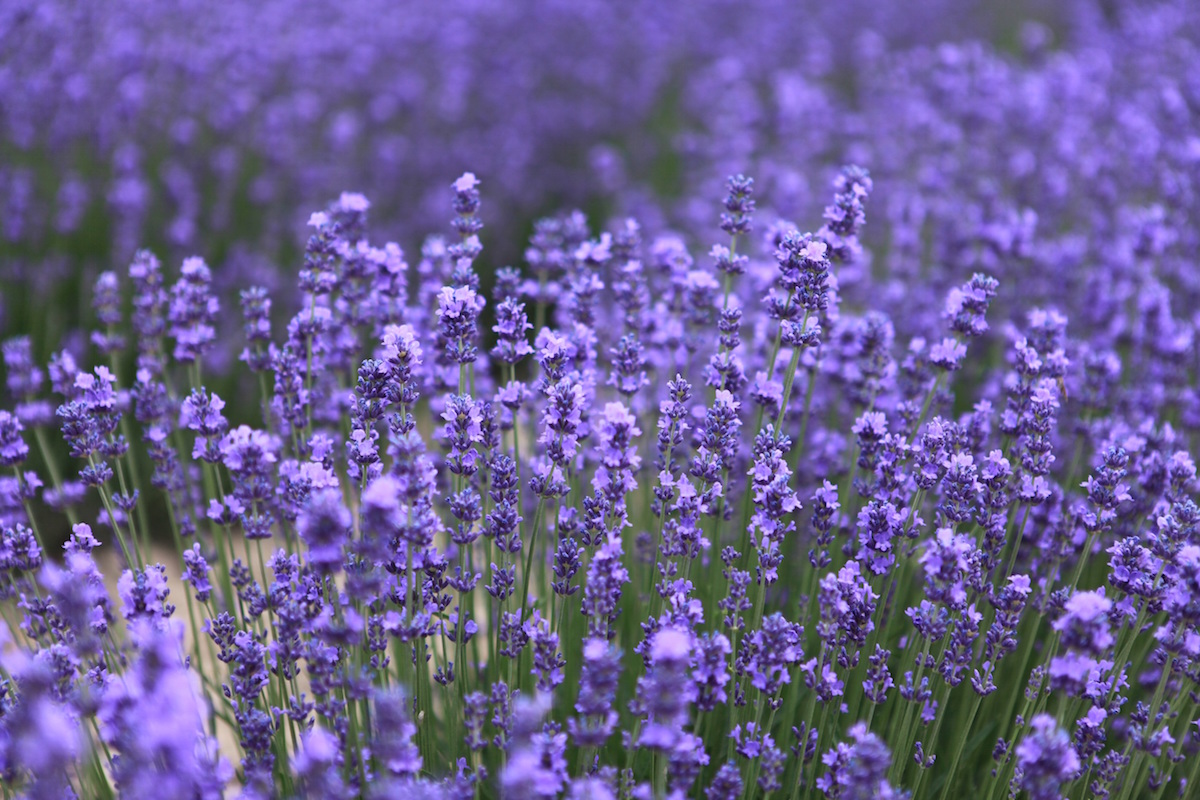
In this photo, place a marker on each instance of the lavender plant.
(864, 484)
(467, 571)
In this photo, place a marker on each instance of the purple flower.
(149, 316)
(41, 734)
(774, 502)
(458, 309)
(739, 205)
(466, 204)
(192, 312)
(1000, 639)
(804, 270)
(661, 696)
(727, 783)
(537, 764)
(547, 661)
(1084, 623)
(13, 449)
(947, 354)
(847, 603)
(256, 311)
(153, 718)
(619, 460)
(562, 421)
(143, 595)
(857, 770)
(772, 651)
(878, 527)
(946, 561)
(596, 704)
(710, 672)
(393, 735)
(201, 412)
(606, 576)
(24, 377)
(196, 572)
(463, 429)
(966, 306)
(847, 214)
(89, 422)
(566, 565)
(324, 525)
(318, 765)
(825, 508)
(250, 456)
(628, 366)
(1045, 759)
(510, 328)
(106, 300)
(719, 435)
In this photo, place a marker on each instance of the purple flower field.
(589, 400)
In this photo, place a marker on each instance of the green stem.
(960, 741)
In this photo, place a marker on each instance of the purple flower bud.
(324, 525)
(196, 572)
(661, 696)
(106, 300)
(857, 770)
(597, 694)
(967, 305)
(1045, 759)
(458, 309)
(23, 375)
(13, 449)
(739, 205)
(393, 735)
(192, 311)
(317, 764)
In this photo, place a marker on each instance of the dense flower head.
(42, 732)
(774, 649)
(967, 305)
(395, 749)
(13, 449)
(192, 311)
(323, 525)
(739, 205)
(1084, 623)
(946, 562)
(106, 300)
(597, 694)
(1046, 759)
(511, 326)
(201, 412)
(858, 769)
(878, 527)
(23, 376)
(660, 692)
(154, 719)
(143, 594)
(804, 269)
(196, 572)
(846, 215)
(256, 311)
(847, 603)
(458, 309)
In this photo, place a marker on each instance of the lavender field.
(594, 400)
